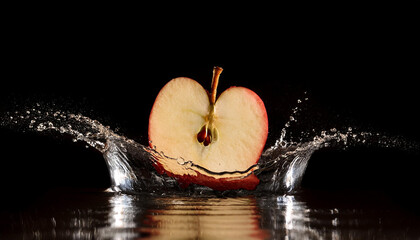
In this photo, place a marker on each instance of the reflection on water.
(301, 217)
(105, 215)
(122, 218)
(289, 218)
(182, 218)
(204, 218)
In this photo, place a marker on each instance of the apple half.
(201, 140)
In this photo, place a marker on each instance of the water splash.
(130, 164)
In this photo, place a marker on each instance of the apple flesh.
(215, 143)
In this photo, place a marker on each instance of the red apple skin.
(248, 182)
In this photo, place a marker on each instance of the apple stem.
(215, 81)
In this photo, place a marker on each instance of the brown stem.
(215, 81)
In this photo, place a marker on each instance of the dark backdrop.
(358, 72)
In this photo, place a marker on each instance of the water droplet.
(79, 136)
(283, 144)
(180, 161)
(31, 124)
(41, 127)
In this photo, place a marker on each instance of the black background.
(358, 69)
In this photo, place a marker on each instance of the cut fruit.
(221, 140)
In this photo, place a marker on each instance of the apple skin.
(246, 180)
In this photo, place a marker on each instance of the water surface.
(100, 214)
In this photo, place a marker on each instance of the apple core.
(208, 132)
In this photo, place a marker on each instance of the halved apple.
(208, 142)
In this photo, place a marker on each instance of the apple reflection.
(204, 218)
(175, 217)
